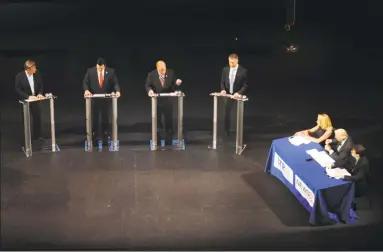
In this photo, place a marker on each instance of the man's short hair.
(101, 62)
(233, 56)
(359, 149)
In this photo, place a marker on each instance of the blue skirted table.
(327, 199)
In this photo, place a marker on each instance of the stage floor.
(140, 199)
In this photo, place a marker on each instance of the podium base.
(45, 148)
(220, 147)
(100, 144)
(49, 148)
(162, 145)
(241, 149)
(27, 153)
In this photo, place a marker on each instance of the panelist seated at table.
(100, 79)
(163, 80)
(321, 132)
(359, 168)
(340, 147)
(29, 85)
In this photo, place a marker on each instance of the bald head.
(340, 134)
(161, 67)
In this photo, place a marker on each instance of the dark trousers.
(100, 108)
(229, 105)
(165, 108)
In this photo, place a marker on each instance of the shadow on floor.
(289, 211)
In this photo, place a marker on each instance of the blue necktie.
(232, 77)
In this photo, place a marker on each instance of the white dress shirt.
(340, 146)
(31, 82)
(232, 74)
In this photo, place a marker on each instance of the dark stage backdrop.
(339, 47)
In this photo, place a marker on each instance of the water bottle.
(99, 145)
(86, 145)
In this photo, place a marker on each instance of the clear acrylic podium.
(27, 124)
(113, 143)
(179, 143)
(239, 146)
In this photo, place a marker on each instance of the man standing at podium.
(100, 79)
(29, 85)
(162, 80)
(234, 82)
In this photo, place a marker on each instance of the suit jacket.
(344, 153)
(23, 88)
(153, 82)
(92, 84)
(240, 82)
(359, 174)
(358, 171)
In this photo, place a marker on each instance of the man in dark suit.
(100, 79)
(358, 166)
(340, 147)
(162, 80)
(234, 82)
(29, 85)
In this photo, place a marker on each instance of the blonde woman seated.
(322, 131)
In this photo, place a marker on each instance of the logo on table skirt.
(284, 168)
(303, 189)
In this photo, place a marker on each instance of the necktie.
(162, 79)
(339, 146)
(232, 76)
(101, 79)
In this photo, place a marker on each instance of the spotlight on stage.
(292, 48)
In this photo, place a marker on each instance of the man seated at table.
(340, 147)
(358, 166)
(321, 132)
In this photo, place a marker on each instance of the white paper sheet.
(321, 157)
(298, 140)
(337, 173)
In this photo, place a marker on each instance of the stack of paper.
(298, 140)
(321, 157)
(337, 173)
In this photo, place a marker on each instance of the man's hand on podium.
(87, 93)
(40, 97)
(178, 82)
(32, 98)
(223, 92)
(118, 94)
(151, 93)
(236, 96)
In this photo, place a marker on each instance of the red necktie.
(101, 80)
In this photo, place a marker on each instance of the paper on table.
(311, 151)
(337, 173)
(321, 157)
(298, 140)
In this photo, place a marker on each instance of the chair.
(365, 196)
